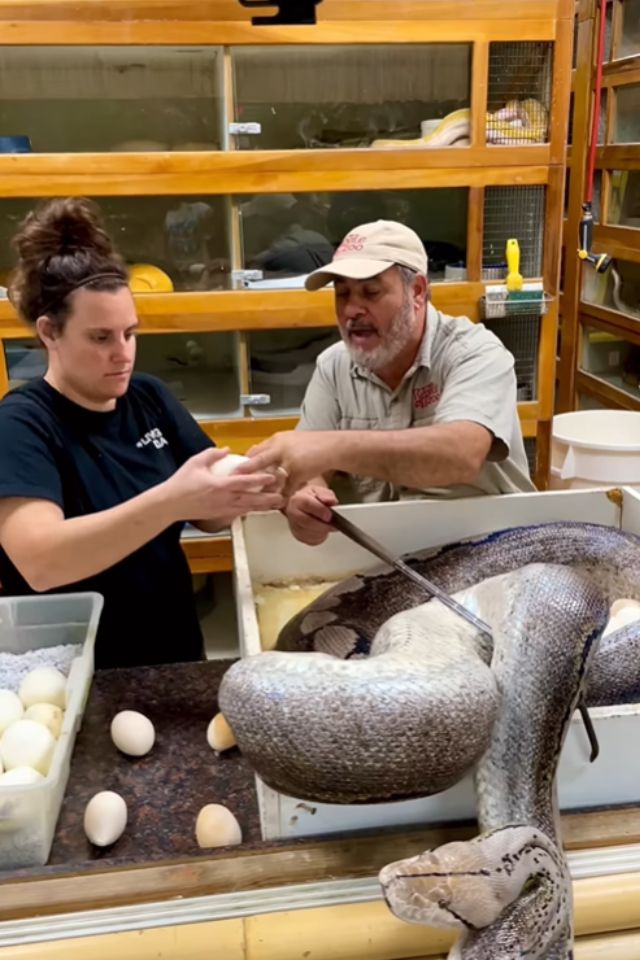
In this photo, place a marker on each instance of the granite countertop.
(165, 789)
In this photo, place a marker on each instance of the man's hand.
(304, 454)
(309, 515)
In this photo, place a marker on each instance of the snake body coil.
(398, 698)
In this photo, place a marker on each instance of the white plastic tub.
(595, 448)
(28, 814)
(265, 552)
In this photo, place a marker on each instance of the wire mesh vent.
(530, 448)
(521, 336)
(519, 92)
(513, 212)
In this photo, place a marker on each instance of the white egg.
(27, 744)
(622, 604)
(626, 615)
(226, 465)
(48, 715)
(216, 826)
(220, 736)
(132, 733)
(11, 708)
(43, 685)
(105, 817)
(20, 776)
(229, 464)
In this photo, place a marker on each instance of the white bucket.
(595, 448)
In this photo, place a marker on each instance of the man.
(412, 403)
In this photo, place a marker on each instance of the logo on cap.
(352, 243)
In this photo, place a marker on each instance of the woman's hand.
(195, 493)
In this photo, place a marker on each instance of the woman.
(100, 467)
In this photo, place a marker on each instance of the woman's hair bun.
(62, 228)
(62, 245)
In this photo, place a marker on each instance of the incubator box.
(28, 814)
(266, 553)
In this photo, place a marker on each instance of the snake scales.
(400, 698)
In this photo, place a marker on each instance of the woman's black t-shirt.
(86, 461)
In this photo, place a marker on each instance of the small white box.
(265, 552)
(28, 814)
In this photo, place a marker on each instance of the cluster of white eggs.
(106, 814)
(30, 723)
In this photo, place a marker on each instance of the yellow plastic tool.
(514, 277)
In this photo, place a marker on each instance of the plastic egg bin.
(28, 813)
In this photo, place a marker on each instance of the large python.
(422, 697)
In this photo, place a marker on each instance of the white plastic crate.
(265, 552)
(28, 814)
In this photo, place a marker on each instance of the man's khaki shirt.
(462, 372)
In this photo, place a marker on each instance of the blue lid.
(18, 144)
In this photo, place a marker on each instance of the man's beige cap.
(369, 250)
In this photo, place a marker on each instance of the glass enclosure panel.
(530, 445)
(587, 402)
(175, 242)
(602, 124)
(72, 99)
(597, 194)
(352, 96)
(611, 358)
(627, 128)
(281, 365)
(25, 360)
(521, 336)
(617, 289)
(201, 370)
(629, 45)
(519, 92)
(624, 206)
(608, 36)
(513, 212)
(288, 235)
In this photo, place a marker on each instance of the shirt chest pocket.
(359, 423)
(423, 418)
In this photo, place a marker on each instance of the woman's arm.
(51, 551)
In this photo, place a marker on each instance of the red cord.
(595, 127)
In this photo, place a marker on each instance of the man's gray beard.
(397, 337)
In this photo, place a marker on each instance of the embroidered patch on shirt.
(425, 396)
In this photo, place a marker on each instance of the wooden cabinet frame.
(224, 23)
(621, 242)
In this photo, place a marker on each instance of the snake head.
(447, 887)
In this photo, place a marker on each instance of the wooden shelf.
(612, 321)
(618, 156)
(605, 392)
(623, 243)
(268, 171)
(617, 73)
(218, 311)
(223, 11)
(209, 554)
